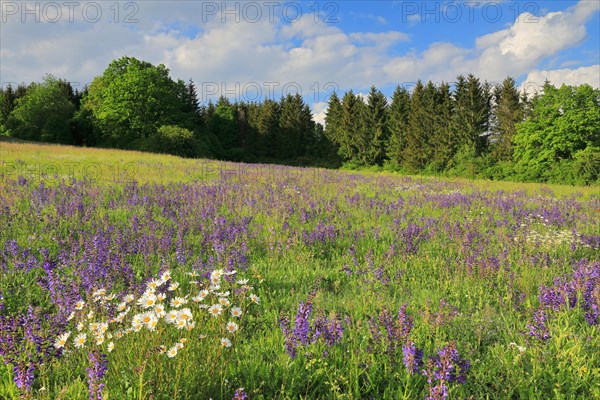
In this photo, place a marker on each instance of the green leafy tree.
(131, 100)
(564, 123)
(44, 113)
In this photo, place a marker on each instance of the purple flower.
(413, 357)
(96, 372)
(240, 395)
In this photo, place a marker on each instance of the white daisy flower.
(225, 342)
(111, 346)
(236, 312)
(80, 340)
(61, 341)
(232, 327)
(128, 298)
(178, 302)
(172, 352)
(215, 310)
(79, 305)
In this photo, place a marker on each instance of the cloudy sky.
(250, 50)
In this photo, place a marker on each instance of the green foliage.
(131, 100)
(174, 140)
(43, 114)
(563, 122)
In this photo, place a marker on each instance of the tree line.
(471, 128)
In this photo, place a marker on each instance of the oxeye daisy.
(128, 298)
(80, 326)
(79, 305)
(137, 319)
(173, 286)
(137, 328)
(161, 296)
(99, 340)
(203, 293)
(191, 325)
(180, 323)
(254, 298)
(215, 310)
(223, 294)
(62, 340)
(179, 346)
(165, 276)
(99, 293)
(224, 302)
(159, 310)
(154, 283)
(232, 327)
(185, 314)
(80, 340)
(236, 312)
(147, 300)
(152, 324)
(218, 273)
(122, 305)
(171, 317)
(162, 349)
(178, 302)
(230, 273)
(110, 297)
(172, 352)
(90, 315)
(111, 346)
(147, 317)
(71, 316)
(225, 342)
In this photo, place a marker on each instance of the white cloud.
(558, 77)
(315, 55)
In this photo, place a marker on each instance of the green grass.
(467, 273)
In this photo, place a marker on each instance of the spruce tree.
(397, 125)
(376, 132)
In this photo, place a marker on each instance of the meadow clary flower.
(225, 342)
(62, 340)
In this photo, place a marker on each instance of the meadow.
(127, 275)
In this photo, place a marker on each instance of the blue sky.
(257, 49)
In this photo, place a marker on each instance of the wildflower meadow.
(255, 281)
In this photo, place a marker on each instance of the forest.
(467, 128)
